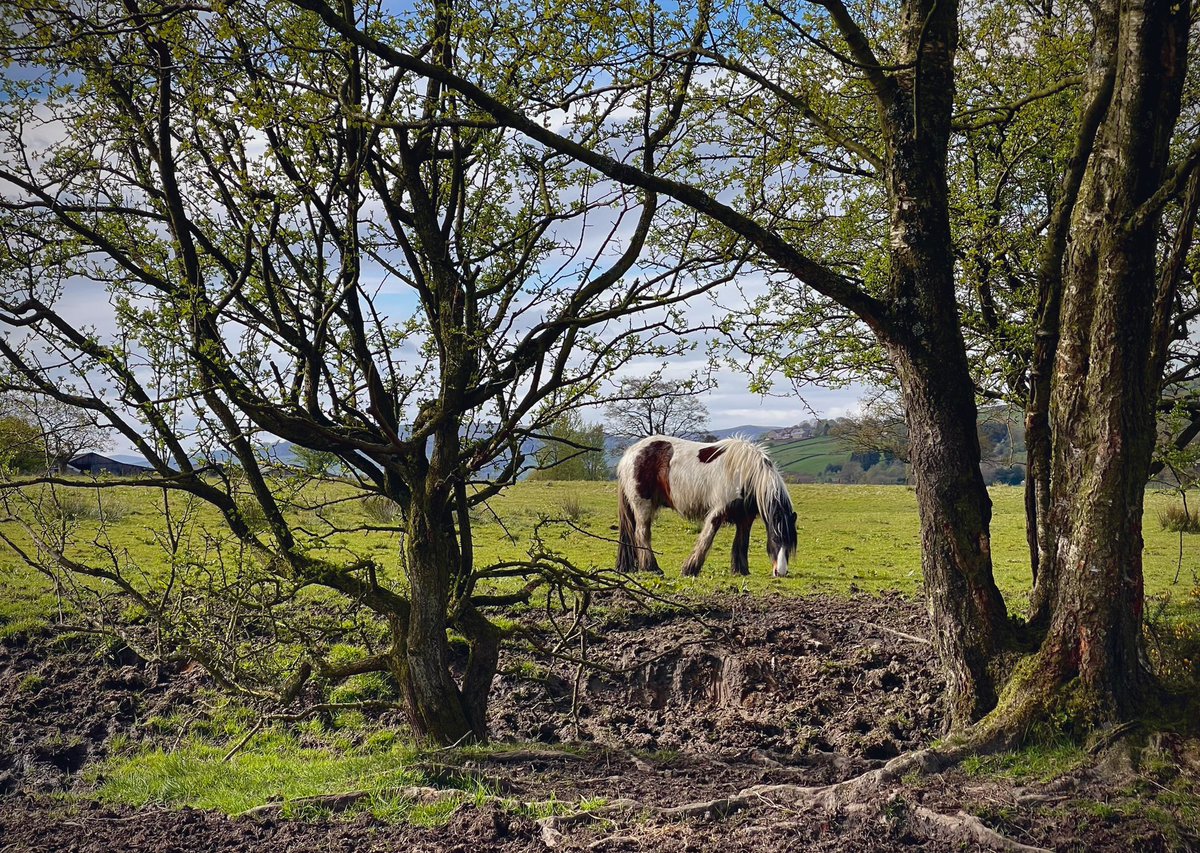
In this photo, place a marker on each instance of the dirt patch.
(758, 691)
(819, 688)
(64, 698)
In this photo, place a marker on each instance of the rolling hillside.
(810, 455)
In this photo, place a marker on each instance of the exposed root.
(552, 827)
(967, 829)
(532, 756)
(827, 797)
(912, 638)
(346, 799)
(850, 798)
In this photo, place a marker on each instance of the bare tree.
(878, 427)
(64, 431)
(651, 405)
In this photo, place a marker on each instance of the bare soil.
(756, 691)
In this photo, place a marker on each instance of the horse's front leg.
(711, 525)
(739, 564)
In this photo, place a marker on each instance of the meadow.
(850, 539)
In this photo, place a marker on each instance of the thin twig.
(910, 637)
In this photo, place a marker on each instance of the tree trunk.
(1105, 387)
(966, 610)
(434, 702)
(923, 337)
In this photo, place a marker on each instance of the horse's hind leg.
(711, 525)
(645, 552)
(739, 563)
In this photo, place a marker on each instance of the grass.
(285, 767)
(1038, 762)
(275, 768)
(1178, 519)
(810, 455)
(851, 539)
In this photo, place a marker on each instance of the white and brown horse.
(731, 480)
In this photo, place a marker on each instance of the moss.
(31, 683)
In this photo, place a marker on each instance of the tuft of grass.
(1178, 519)
(274, 768)
(31, 683)
(1037, 762)
(380, 509)
(71, 505)
(359, 688)
(574, 509)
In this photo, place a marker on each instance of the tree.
(650, 405)
(879, 143)
(253, 189)
(22, 447)
(65, 431)
(878, 427)
(909, 304)
(572, 450)
(1106, 306)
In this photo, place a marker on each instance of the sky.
(729, 401)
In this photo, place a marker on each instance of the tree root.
(345, 799)
(850, 798)
(552, 827)
(967, 829)
(827, 797)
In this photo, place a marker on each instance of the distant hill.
(754, 433)
(811, 456)
(809, 452)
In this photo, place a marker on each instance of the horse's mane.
(749, 463)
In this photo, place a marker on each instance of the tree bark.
(1038, 440)
(925, 343)
(438, 709)
(434, 702)
(1105, 385)
(966, 611)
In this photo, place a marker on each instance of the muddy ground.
(756, 692)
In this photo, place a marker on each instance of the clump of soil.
(829, 684)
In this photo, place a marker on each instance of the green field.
(851, 538)
(810, 455)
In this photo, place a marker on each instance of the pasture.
(850, 539)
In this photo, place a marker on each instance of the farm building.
(95, 464)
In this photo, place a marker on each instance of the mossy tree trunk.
(1111, 336)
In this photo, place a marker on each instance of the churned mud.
(683, 709)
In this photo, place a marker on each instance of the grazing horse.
(731, 480)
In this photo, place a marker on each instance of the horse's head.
(780, 522)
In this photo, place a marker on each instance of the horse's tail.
(627, 525)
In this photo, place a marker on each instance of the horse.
(732, 480)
